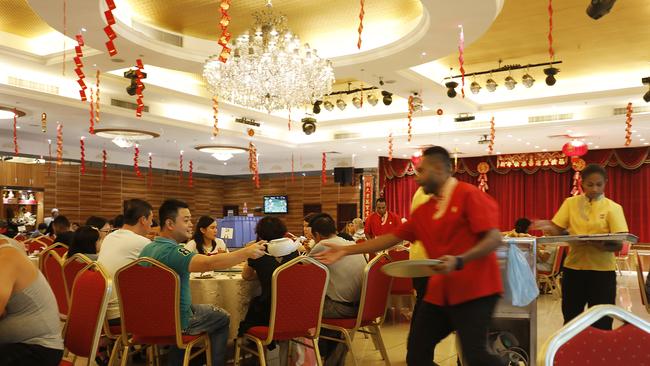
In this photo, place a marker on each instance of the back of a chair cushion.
(54, 274)
(147, 299)
(299, 289)
(70, 270)
(377, 290)
(626, 345)
(86, 313)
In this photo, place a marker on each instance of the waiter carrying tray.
(458, 226)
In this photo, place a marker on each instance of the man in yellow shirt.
(589, 275)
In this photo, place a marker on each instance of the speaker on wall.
(344, 176)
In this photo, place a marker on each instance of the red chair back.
(137, 284)
(60, 249)
(401, 285)
(71, 267)
(375, 291)
(34, 245)
(295, 308)
(625, 250)
(626, 345)
(45, 239)
(53, 271)
(20, 237)
(88, 302)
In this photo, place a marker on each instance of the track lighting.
(341, 104)
(416, 102)
(475, 87)
(510, 82)
(491, 85)
(372, 99)
(316, 108)
(646, 96)
(328, 105)
(308, 125)
(451, 88)
(527, 80)
(356, 101)
(550, 73)
(387, 97)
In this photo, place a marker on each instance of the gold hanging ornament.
(43, 122)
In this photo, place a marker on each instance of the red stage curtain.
(538, 192)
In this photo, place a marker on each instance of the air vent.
(247, 121)
(32, 85)
(169, 38)
(472, 125)
(550, 118)
(464, 117)
(127, 105)
(635, 110)
(345, 136)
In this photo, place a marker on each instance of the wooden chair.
(295, 308)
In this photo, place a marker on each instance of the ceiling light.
(309, 125)
(451, 88)
(328, 105)
(550, 73)
(356, 102)
(416, 101)
(491, 85)
(510, 136)
(646, 96)
(222, 156)
(537, 147)
(510, 82)
(8, 113)
(597, 8)
(596, 147)
(316, 108)
(341, 104)
(221, 152)
(527, 80)
(423, 53)
(387, 97)
(475, 87)
(372, 99)
(641, 139)
(123, 137)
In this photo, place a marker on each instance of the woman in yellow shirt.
(589, 275)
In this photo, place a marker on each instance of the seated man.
(176, 227)
(30, 333)
(61, 230)
(344, 287)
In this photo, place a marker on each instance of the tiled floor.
(549, 320)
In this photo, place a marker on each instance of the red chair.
(641, 279)
(71, 267)
(88, 302)
(577, 343)
(53, 271)
(20, 237)
(34, 245)
(402, 287)
(45, 239)
(295, 308)
(59, 248)
(144, 323)
(372, 309)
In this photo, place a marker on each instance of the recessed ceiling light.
(590, 143)
(225, 163)
(519, 140)
(633, 131)
(537, 147)
(595, 147)
(487, 150)
(569, 131)
(509, 135)
(638, 135)
(528, 143)
(544, 149)
(423, 53)
(467, 143)
(403, 155)
(498, 152)
(18, 127)
(83, 29)
(455, 140)
(378, 149)
(363, 147)
(641, 139)
(646, 143)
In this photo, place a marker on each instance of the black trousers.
(470, 319)
(583, 287)
(420, 287)
(22, 354)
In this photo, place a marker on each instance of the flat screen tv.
(276, 205)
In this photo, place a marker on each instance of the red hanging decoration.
(97, 97)
(91, 129)
(578, 165)
(79, 67)
(180, 167)
(110, 19)
(82, 152)
(59, 143)
(551, 52)
(461, 59)
(483, 168)
(628, 124)
(103, 165)
(253, 163)
(190, 181)
(574, 149)
(323, 173)
(15, 132)
(225, 35)
(360, 30)
(136, 157)
(492, 136)
(390, 147)
(139, 88)
(215, 116)
(150, 172)
(292, 170)
(410, 116)
(49, 156)
(289, 122)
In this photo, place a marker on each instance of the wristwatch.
(459, 263)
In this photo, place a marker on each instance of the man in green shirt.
(175, 227)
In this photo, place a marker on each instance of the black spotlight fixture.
(132, 74)
(451, 88)
(308, 125)
(599, 8)
(550, 73)
(317, 104)
(646, 96)
(387, 97)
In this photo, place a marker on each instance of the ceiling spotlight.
(416, 101)
(328, 105)
(510, 82)
(356, 101)
(598, 8)
(646, 96)
(451, 88)
(387, 97)
(527, 80)
(550, 73)
(132, 74)
(316, 108)
(475, 87)
(308, 125)
(372, 99)
(341, 104)
(491, 85)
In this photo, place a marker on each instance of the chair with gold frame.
(642, 287)
(295, 308)
(71, 267)
(53, 272)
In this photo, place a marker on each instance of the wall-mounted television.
(276, 205)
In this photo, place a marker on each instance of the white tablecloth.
(228, 291)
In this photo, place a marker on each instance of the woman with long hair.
(205, 239)
(85, 241)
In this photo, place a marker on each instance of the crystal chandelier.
(268, 68)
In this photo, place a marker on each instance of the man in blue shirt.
(175, 227)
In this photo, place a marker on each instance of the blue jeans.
(212, 320)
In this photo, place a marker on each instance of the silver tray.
(411, 268)
(606, 237)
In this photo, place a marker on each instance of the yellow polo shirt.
(581, 217)
(417, 250)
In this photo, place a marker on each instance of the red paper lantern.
(575, 148)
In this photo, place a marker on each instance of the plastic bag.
(521, 286)
(301, 355)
